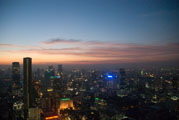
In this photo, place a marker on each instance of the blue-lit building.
(112, 81)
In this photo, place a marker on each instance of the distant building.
(48, 73)
(60, 70)
(122, 76)
(16, 73)
(16, 84)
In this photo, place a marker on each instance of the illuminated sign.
(96, 98)
(52, 117)
(50, 90)
(54, 76)
(109, 76)
(63, 99)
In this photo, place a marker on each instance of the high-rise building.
(27, 69)
(16, 73)
(15, 92)
(122, 76)
(60, 70)
(111, 80)
(50, 72)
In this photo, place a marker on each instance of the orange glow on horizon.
(49, 59)
(53, 59)
(8, 61)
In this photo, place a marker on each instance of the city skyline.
(89, 32)
(57, 94)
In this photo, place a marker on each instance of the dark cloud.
(60, 41)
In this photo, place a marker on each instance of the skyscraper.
(50, 72)
(60, 69)
(122, 76)
(16, 73)
(27, 69)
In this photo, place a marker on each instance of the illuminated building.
(16, 73)
(27, 69)
(17, 110)
(111, 80)
(65, 103)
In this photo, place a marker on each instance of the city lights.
(51, 117)
(54, 76)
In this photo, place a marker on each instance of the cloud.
(81, 43)
(8, 45)
(129, 52)
(60, 41)
(106, 51)
(18, 46)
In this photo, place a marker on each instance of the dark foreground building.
(27, 69)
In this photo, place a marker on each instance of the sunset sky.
(89, 31)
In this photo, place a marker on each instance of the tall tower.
(16, 73)
(27, 69)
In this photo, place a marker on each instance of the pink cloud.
(19, 46)
(9, 45)
(113, 52)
